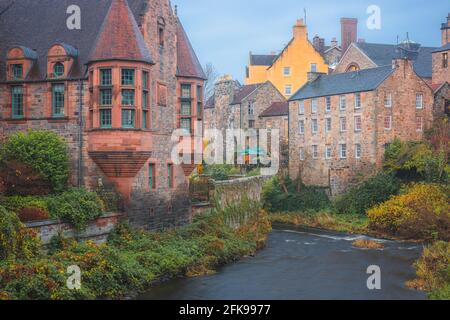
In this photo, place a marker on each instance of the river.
(303, 264)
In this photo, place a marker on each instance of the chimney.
(300, 31)
(349, 32)
(445, 31)
(334, 43)
(319, 44)
(224, 87)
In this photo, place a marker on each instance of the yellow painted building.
(289, 70)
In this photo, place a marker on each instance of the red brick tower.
(349, 32)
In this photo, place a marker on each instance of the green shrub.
(17, 203)
(15, 240)
(309, 197)
(76, 206)
(44, 151)
(416, 161)
(422, 212)
(373, 191)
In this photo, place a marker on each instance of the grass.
(324, 220)
(368, 244)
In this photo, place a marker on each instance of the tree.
(211, 77)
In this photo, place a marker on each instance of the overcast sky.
(224, 31)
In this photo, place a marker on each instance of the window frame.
(101, 118)
(170, 176)
(358, 151)
(152, 175)
(358, 123)
(388, 100)
(288, 69)
(342, 102)
(13, 71)
(315, 151)
(58, 74)
(301, 107)
(343, 124)
(445, 60)
(102, 78)
(419, 107)
(389, 118)
(327, 104)
(314, 106)
(314, 126)
(14, 106)
(358, 102)
(288, 87)
(123, 99)
(328, 152)
(128, 80)
(328, 121)
(301, 127)
(343, 151)
(55, 100)
(132, 118)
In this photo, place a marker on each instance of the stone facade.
(337, 172)
(125, 159)
(354, 59)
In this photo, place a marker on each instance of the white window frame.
(301, 127)
(315, 151)
(328, 152)
(342, 102)
(288, 73)
(301, 107)
(330, 122)
(311, 67)
(343, 151)
(327, 104)
(314, 106)
(358, 151)
(388, 100)
(419, 106)
(342, 121)
(302, 154)
(358, 102)
(421, 124)
(287, 89)
(314, 126)
(390, 123)
(356, 123)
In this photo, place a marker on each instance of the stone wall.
(233, 192)
(96, 231)
(355, 57)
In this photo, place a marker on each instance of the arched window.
(353, 67)
(161, 28)
(58, 70)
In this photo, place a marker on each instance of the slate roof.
(277, 109)
(188, 64)
(262, 59)
(444, 48)
(342, 83)
(243, 92)
(120, 37)
(210, 103)
(383, 54)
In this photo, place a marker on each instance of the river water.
(303, 264)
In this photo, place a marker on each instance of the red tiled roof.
(188, 63)
(276, 109)
(436, 86)
(120, 37)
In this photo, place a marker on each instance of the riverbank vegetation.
(132, 260)
(406, 200)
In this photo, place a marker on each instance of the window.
(127, 118)
(128, 77)
(328, 152)
(419, 124)
(251, 109)
(186, 124)
(58, 70)
(251, 124)
(17, 71)
(357, 101)
(328, 126)
(301, 107)
(105, 118)
(343, 151)
(288, 90)
(58, 100)
(128, 98)
(145, 80)
(302, 154)
(145, 95)
(144, 119)
(358, 123)
(314, 126)
(186, 91)
(170, 176)
(106, 97)
(161, 28)
(106, 77)
(445, 60)
(419, 101)
(286, 71)
(328, 104)
(199, 102)
(343, 124)
(388, 123)
(301, 125)
(314, 105)
(17, 102)
(342, 103)
(186, 108)
(388, 100)
(313, 67)
(315, 152)
(358, 151)
(145, 103)
(152, 176)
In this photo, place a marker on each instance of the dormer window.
(58, 70)
(17, 71)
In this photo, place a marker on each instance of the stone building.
(115, 89)
(340, 124)
(288, 71)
